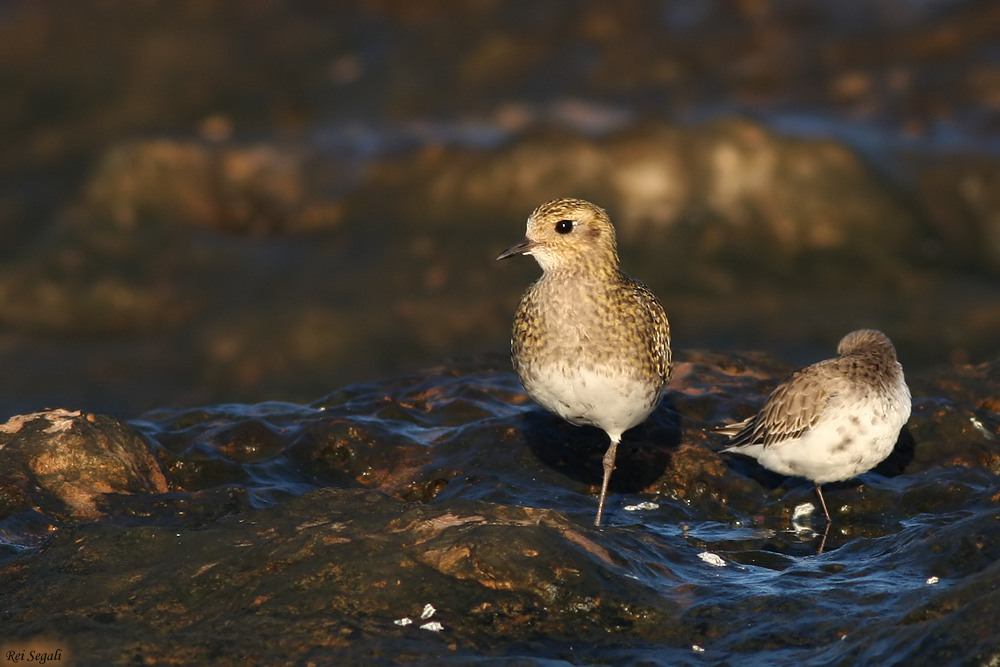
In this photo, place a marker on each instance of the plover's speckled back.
(590, 344)
(833, 420)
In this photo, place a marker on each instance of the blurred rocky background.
(205, 201)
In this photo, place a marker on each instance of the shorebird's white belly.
(612, 402)
(842, 445)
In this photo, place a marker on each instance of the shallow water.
(456, 487)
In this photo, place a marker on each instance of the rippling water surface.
(704, 558)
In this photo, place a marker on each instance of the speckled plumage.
(833, 420)
(589, 344)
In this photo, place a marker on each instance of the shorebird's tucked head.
(866, 340)
(569, 233)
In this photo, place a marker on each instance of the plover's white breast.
(609, 400)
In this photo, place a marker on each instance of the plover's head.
(569, 233)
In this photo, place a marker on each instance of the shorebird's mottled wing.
(733, 429)
(654, 327)
(794, 407)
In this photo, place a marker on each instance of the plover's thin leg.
(609, 466)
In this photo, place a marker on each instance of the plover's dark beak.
(518, 248)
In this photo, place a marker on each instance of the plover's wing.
(793, 408)
(651, 315)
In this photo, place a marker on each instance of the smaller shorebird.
(833, 420)
(589, 344)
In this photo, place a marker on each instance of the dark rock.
(62, 462)
(321, 533)
(772, 197)
(959, 196)
(346, 569)
(246, 190)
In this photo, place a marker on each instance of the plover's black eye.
(564, 226)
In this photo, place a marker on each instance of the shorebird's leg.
(822, 542)
(826, 529)
(609, 466)
(819, 494)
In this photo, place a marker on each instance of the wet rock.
(62, 462)
(246, 190)
(353, 568)
(958, 195)
(134, 253)
(444, 515)
(772, 196)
